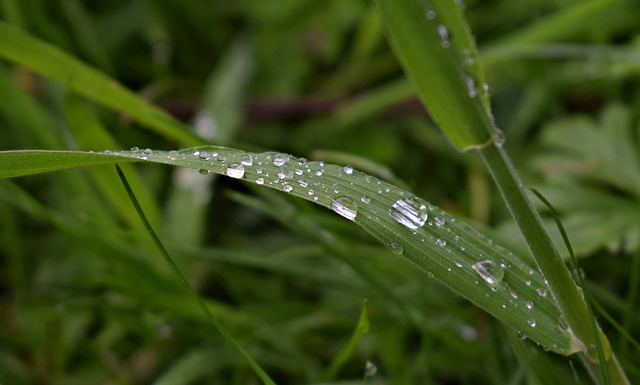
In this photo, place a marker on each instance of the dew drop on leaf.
(531, 322)
(260, 181)
(348, 169)
(528, 305)
(444, 36)
(541, 292)
(441, 242)
(396, 248)
(491, 272)
(203, 171)
(410, 212)
(365, 199)
(345, 207)
(284, 172)
(287, 188)
(246, 160)
(280, 159)
(235, 170)
(439, 221)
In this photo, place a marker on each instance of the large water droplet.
(348, 169)
(345, 207)
(146, 154)
(396, 248)
(287, 188)
(491, 272)
(410, 212)
(260, 181)
(235, 170)
(280, 159)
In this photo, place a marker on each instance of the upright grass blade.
(361, 329)
(443, 247)
(50, 61)
(254, 365)
(435, 45)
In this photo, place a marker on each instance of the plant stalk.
(549, 261)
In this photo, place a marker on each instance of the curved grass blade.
(54, 63)
(192, 293)
(361, 329)
(450, 251)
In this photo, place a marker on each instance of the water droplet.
(489, 271)
(173, 155)
(284, 172)
(541, 292)
(441, 242)
(319, 172)
(287, 188)
(522, 336)
(444, 36)
(468, 58)
(280, 159)
(298, 171)
(471, 87)
(246, 160)
(260, 181)
(303, 183)
(370, 369)
(146, 154)
(498, 137)
(531, 322)
(235, 170)
(396, 248)
(204, 156)
(430, 13)
(203, 171)
(439, 221)
(345, 207)
(302, 161)
(410, 212)
(365, 199)
(527, 282)
(134, 149)
(458, 264)
(528, 305)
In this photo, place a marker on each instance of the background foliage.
(86, 299)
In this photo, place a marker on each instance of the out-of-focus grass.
(85, 299)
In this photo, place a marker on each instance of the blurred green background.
(86, 297)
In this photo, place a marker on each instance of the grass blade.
(450, 251)
(52, 62)
(361, 329)
(183, 280)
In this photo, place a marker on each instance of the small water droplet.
(302, 161)
(303, 183)
(471, 87)
(498, 137)
(146, 154)
(280, 159)
(287, 188)
(396, 248)
(298, 171)
(204, 156)
(134, 149)
(468, 58)
(458, 264)
(365, 199)
(439, 221)
(491, 272)
(235, 170)
(345, 207)
(284, 172)
(203, 171)
(319, 172)
(441, 242)
(310, 192)
(528, 305)
(541, 292)
(410, 212)
(527, 282)
(531, 322)
(260, 181)
(522, 336)
(173, 155)
(347, 169)
(246, 160)
(444, 36)
(430, 13)
(370, 369)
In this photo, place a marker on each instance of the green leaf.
(445, 248)
(436, 49)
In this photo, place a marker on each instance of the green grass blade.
(192, 293)
(53, 63)
(450, 251)
(435, 47)
(361, 329)
(600, 341)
